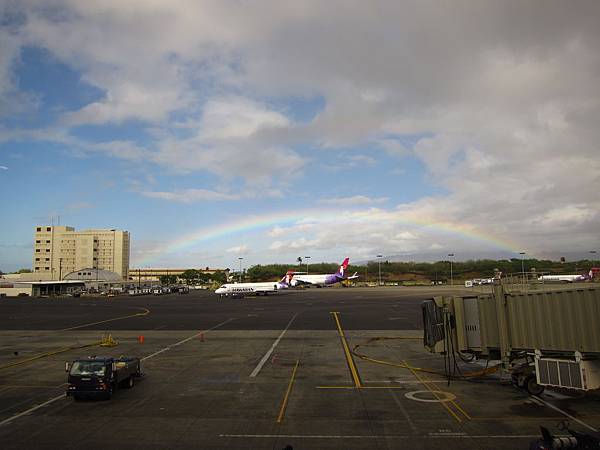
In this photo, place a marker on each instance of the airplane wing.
(353, 277)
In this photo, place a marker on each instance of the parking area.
(260, 373)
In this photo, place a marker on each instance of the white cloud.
(232, 140)
(190, 195)
(356, 200)
(239, 250)
(3, 168)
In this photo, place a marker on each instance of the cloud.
(356, 200)
(78, 206)
(3, 168)
(232, 140)
(239, 250)
(190, 195)
(498, 106)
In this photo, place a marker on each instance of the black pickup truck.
(100, 376)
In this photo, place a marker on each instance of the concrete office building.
(59, 250)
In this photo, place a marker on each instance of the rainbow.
(254, 223)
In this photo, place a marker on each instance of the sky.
(268, 130)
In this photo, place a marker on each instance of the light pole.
(592, 252)
(240, 258)
(307, 257)
(522, 265)
(451, 255)
(379, 256)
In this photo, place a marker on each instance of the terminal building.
(60, 250)
(148, 274)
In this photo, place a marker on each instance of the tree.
(168, 279)
(24, 271)
(190, 276)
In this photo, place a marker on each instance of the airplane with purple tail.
(321, 280)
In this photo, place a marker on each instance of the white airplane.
(325, 279)
(563, 278)
(242, 289)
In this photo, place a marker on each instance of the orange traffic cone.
(201, 337)
(141, 339)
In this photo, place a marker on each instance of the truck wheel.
(76, 397)
(130, 382)
(531, 385)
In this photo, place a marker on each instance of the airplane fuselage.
(241, 289)
(317, 280)
(562, 278)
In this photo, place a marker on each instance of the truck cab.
(100, 376)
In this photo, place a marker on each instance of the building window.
(37, 259)
(38, 229)
(47, 250)
(48, 229)
(37, 268)
(47, 259)
(47, 241)
(47, 268)
(38, 242)
(37, 250)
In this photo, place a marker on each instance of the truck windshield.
(87, 368)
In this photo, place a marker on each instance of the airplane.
(563, 278)
(592, 276)
(324, 279)
(242, 289)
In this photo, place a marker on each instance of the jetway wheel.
(530, 384)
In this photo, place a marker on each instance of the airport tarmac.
(259, 373)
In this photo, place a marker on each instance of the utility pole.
(523, 266)
(379, 260)
(240, 258)
(451, 255)
(60, 269)
(307, 257)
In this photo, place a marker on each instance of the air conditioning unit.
(567, 373)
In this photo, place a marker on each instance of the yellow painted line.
(146, 312)
(424, 383)
(453, 402)
(287, 394)
(349, 359)
(361, 387)
(45, 355)
(457, 406)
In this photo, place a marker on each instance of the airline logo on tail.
(342, 270)
(287, 278)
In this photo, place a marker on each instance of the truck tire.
(130, 382)
(530, 384)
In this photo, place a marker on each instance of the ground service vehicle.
(100, 376)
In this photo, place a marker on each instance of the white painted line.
(30, 410)
(380, 436)
(264, 359)
(566, 414)
(185, 340)
(52, 400)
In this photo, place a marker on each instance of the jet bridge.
(542, 338)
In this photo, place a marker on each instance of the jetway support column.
(501, 315)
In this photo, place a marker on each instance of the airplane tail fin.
(287, 278)
(342, 269)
